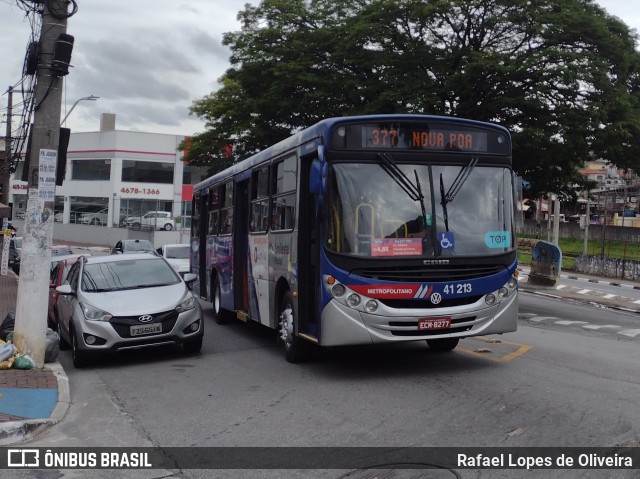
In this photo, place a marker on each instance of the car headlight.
(95, 314)
(187, 303)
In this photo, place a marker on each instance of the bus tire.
(219, 314)
(295, 349)
(442, 345)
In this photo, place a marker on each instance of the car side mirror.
(65, 290)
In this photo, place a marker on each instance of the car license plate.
(438, 322)
(142, 329)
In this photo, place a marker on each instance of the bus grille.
(426, 304)
(422, 273)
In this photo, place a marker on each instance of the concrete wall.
(103, 236)
(107, 237)
(572, 230)
(608, 267)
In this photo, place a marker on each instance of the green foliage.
(562, 76)
(571, 247)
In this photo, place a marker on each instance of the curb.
(14, 432)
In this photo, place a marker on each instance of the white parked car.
(96, 218)
(177, 255)
(159, 220)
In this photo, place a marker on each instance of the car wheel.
(193, 346)
(168, 227)
(220, 316)
(295, 349)
(79, 358)
(135, 226)
(442, 345)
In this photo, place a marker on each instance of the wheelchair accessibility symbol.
(446, 240)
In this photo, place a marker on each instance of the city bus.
(364, 230)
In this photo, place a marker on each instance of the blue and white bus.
(364, 230)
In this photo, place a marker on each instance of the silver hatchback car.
(118, 302)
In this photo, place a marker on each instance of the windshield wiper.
(413, 191)
(454, 189)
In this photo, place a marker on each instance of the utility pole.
(587, 218)
(7, 150)
(33, 287)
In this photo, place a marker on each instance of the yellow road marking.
(521, 349)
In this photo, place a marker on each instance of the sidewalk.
(30, 400)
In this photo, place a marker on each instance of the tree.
(562, 76)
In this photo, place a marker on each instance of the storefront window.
(147, 172)
(91, 170)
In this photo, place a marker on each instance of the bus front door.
(240, 249)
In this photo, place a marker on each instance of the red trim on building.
(123, 151)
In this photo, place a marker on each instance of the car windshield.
(418, 210)
(138, 246)
(131, 274)
(177, 252)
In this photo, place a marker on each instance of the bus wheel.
(219, 315)
(295, 349)
(443, 345)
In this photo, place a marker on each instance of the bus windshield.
(373, 212)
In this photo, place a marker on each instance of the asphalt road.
(544, 385)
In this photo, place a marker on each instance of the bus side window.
(283, 186)
(213, 223)
(259, 200)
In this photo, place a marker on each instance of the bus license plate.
(440, 322)
(142, 329)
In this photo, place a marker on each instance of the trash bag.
(51, 346)
(7, 325)
(6, 351)
(22, 361)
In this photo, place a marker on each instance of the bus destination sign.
(420, 136)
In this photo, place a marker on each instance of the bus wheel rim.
(286, 326)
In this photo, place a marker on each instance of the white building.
(126, 172)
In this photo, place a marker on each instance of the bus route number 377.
(460, 288)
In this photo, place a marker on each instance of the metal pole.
(92, 98)
(7, 152)
(556, 219)
(586, 229)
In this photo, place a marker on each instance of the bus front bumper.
(342, 325)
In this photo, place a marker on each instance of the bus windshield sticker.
(446, 240)
(497, 239)
(396, 247)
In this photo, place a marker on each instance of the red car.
(59, 267)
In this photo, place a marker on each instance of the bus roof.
(318, 132)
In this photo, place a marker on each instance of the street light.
(92, 98)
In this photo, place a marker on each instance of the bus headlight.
(371, 306)
(512, 283)
(503, 292)
(490, 299)
(353, 300)
(338, 290)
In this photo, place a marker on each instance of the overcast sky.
(148, 60)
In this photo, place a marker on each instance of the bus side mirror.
(318, 173)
